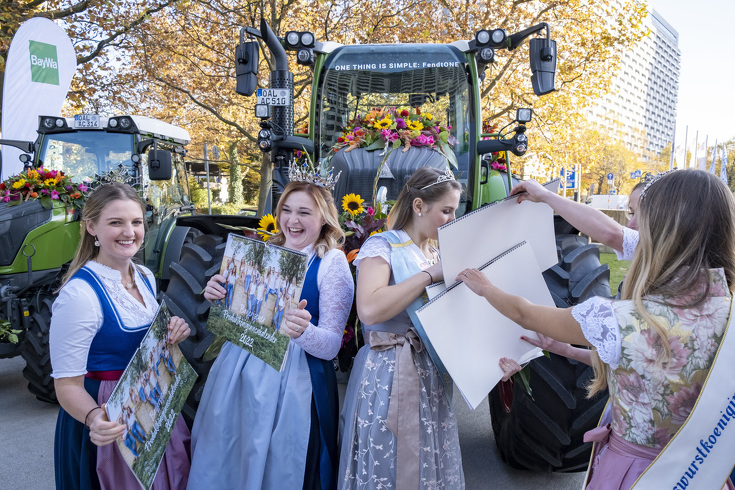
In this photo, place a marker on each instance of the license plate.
(85, 121)
(274, 96)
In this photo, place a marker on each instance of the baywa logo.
(44, 63)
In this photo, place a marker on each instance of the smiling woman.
(103, 311)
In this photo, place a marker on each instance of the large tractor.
(38, 242)
(539, 429)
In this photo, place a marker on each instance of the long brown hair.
(421, 185)
(687, 226)
(331, 235)
(93, 207)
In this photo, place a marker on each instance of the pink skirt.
(617, 463)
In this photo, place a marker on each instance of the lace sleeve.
(630, 242)
(373, 247)
(336, 292)
(600, 327)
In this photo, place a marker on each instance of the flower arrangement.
(395, 127)
(359, 223)
(48, 186)
(497, 159)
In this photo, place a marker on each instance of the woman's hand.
(214, 289)
(475, 280)
(436, 272)
(530, 190)
(296, 320)
(178, 330)
(101, 431)
(509, 367)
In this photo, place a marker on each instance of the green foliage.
(235, 191)
(292, 265)
(618, 270)
(7, 333)
(226, 208)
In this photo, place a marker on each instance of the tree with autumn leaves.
(177, 63)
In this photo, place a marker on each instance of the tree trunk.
(266, 185)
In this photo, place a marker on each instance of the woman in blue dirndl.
(102, 313)
(257, 428)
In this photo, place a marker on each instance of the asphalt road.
(27, 436)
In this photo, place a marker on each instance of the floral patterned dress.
(650, 400)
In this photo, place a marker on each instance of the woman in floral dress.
(654, 348)
(399, 427)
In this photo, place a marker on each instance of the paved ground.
(27, 434)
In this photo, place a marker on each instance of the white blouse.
(336, 292)
(77, 316)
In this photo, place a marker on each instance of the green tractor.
(38, 242)
(540, 431)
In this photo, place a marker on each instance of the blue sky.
(706, 96)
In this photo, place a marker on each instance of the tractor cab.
(400, 88)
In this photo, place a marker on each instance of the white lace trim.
(111, 280)
(336, 291)
(376, 246)
(600, 327)
(630, 243)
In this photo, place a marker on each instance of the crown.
(653, 180)
(445, 177)
(307, 172)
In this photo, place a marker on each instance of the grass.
(618, 270)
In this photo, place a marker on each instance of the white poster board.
(478, 236)
(470, 336)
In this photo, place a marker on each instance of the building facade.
(640, 109)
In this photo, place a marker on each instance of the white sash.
(702, 452)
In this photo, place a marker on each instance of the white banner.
(41, 63)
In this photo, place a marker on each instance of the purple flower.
(44, 192)
(400, 124)
(54, 194)
(6, 198)
(68, 188)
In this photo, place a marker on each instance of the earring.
(96, 242)
(419, 214)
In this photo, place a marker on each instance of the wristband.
(87, 416)
(430, 277)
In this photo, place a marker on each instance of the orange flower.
(351, 256)
(34, 194)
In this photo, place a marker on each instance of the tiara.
(307, 172)
(445, 177)
(653, 180)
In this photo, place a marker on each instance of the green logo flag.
(44, 63)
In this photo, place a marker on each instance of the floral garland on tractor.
(47, 186)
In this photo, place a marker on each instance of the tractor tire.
(543, 431)
(200, 259)
(35, 348)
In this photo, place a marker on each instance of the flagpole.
(723, 169)
(686, 142)
(673, 146)
(696, 147)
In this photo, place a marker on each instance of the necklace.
(128, 285)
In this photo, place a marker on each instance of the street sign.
(637, 174)
(273, 96)
(571, 180)
(610, 176)
(612, 193)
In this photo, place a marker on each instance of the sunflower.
(383, 123)
(352, 203)
(268, 226)
(414, 125)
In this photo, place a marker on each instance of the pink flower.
(83, 187)
(6, 198)
(387, 135)
(370, 211)
(54, 194)
(44, 192)
(423, 140)
(498, 166)
(682, 402)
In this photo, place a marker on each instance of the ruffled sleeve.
(630, 242)
(600, 328)
(375, 246)
(336, 292)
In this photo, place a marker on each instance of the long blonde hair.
(331, 235)
(93, 207)
(687, 226)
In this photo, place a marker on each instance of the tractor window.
(83, 154)
(430, 78)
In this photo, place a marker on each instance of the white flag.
(40, 65)
(723, 170)
(714, 154)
